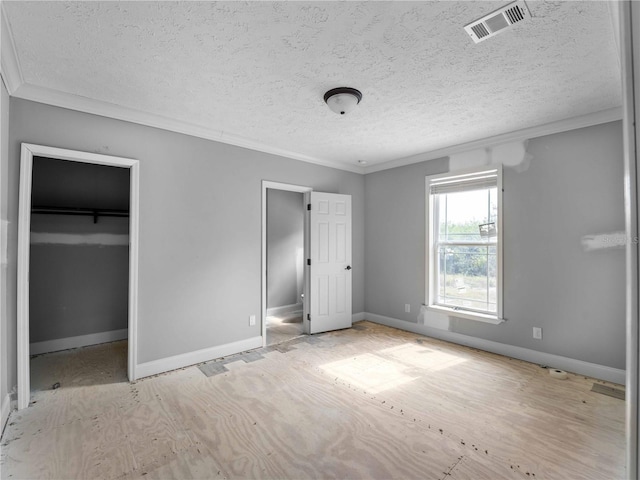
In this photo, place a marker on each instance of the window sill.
(480, 317)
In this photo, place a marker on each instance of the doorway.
(37, 161)
(79, 274)
(284, 277)
(327, 249)
(285, 265)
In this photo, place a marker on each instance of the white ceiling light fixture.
(342, 99)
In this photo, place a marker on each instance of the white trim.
(630, 60)
(468, 314)
(28, 151)
(110, 110)
(9, 64)
(431, 218)
(101, 239)
(564, 363)
(192, 358)
(6, 410)
(134, 245)
(284, 309)
(77, 342)
(289, 187)
(24, 222)
(77, 156)
(266, 184)
(358, 317)
(588, 120)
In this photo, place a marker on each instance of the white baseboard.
(284, 310)
(556, 361)
(76, 342)
(192, 358)
(358, 317)
(6, 410)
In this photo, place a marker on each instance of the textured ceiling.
(258, 70)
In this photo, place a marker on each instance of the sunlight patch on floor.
(370, 372)
(421, 357)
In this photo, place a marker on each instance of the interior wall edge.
(6, 410)
(168, 364)
(67, 343)
(601, 372)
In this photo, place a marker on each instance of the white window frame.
(431, 256)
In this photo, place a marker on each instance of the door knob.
(348, 267)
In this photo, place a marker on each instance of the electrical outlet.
(537, 333)
(252, 320)
(407, 308)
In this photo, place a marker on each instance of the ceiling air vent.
(496, 22)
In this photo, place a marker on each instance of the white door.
(330, 262)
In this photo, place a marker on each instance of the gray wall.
(572, 188)
(77, 290)
(285, 241)
(200, 235)
(79, 285)
(200, 223)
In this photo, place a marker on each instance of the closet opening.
(79, 274)
(77, 271)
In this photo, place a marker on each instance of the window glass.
(465, 242)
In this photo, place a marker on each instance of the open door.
(329, 262)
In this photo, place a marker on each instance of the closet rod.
(80, 211)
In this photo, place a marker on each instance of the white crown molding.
(9, 65)
(110, 110)
(580, 367)
(588, 120)
(97, 107)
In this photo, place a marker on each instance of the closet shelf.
(95, 213)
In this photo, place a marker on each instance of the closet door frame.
(28, 152)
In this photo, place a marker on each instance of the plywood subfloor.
(283, 328)
(368, 402)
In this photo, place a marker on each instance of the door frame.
(630, 56)
(28, 151)
(266, 184)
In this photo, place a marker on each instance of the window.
(464, 256)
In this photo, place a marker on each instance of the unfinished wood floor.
(368, 402)
(283, 328)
